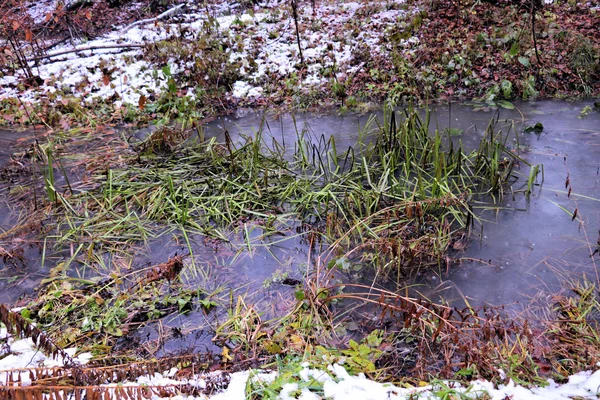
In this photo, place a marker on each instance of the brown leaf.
(142, 102)
(105, 80)
(28, 35)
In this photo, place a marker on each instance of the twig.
(78, 49)
(166, 14)
(535, 46)
(295, 15)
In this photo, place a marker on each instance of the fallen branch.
(166, 14)
(87, 48)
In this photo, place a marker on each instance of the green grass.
(391, 203)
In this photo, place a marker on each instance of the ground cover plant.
(203, 59)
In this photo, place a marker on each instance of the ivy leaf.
(524, 61)
(537, 128)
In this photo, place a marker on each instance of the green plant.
(584, 58)
(528, 88)
(585, 111)
(361, 357)
(49, 174)
(292, 378)
(506, 87)
(447, 391)
(339, 90)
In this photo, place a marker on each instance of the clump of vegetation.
(94, 313)
(395, 203)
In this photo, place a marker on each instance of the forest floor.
(203, 59)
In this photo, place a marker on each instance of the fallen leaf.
(142, 102)
(225, 355)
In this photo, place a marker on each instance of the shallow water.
(520, 252)
(542, 247)
(18, 272)
(7, 141)
(526, 247)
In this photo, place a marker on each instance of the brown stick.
(535, 46)
(295, 15)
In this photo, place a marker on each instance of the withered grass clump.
(162, 141)
(98, 381)
(413, 340)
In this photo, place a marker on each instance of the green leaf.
(514, 49)
(115, 331)
(271, 347)
(171, 85)
(207, 304)
(506, 104)
(26, 313)
(537, 128)
(524, 61)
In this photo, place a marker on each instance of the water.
(518, 254)
(542, 247)
(18, 257)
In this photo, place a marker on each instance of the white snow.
(267, 37)
(40, 10)
(21, 354)
(336, 382)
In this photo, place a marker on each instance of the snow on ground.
(268, 51)
(336, 383)
(21, 353)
